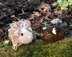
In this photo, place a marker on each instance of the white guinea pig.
(20, 32)
(25, 36)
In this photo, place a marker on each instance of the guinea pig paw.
(14, 47)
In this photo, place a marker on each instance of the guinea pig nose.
(21, 34)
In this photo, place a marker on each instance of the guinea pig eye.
(46, 10)
(21, 34)
(42, 8)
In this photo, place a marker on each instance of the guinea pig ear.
(54, 31)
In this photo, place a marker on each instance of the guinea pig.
(20, 33)
(52, 34)
(44, 7)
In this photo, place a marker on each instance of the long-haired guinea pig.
(20, 32)
(53, 34)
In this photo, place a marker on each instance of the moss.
(38, 48)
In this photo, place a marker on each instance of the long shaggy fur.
(20, 32)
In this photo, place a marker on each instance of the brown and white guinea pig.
(52, 34)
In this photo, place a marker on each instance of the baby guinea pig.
(52, 34)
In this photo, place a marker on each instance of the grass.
(38, 48)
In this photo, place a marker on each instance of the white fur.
(27, 36)
(54, 31)
(15, 30)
